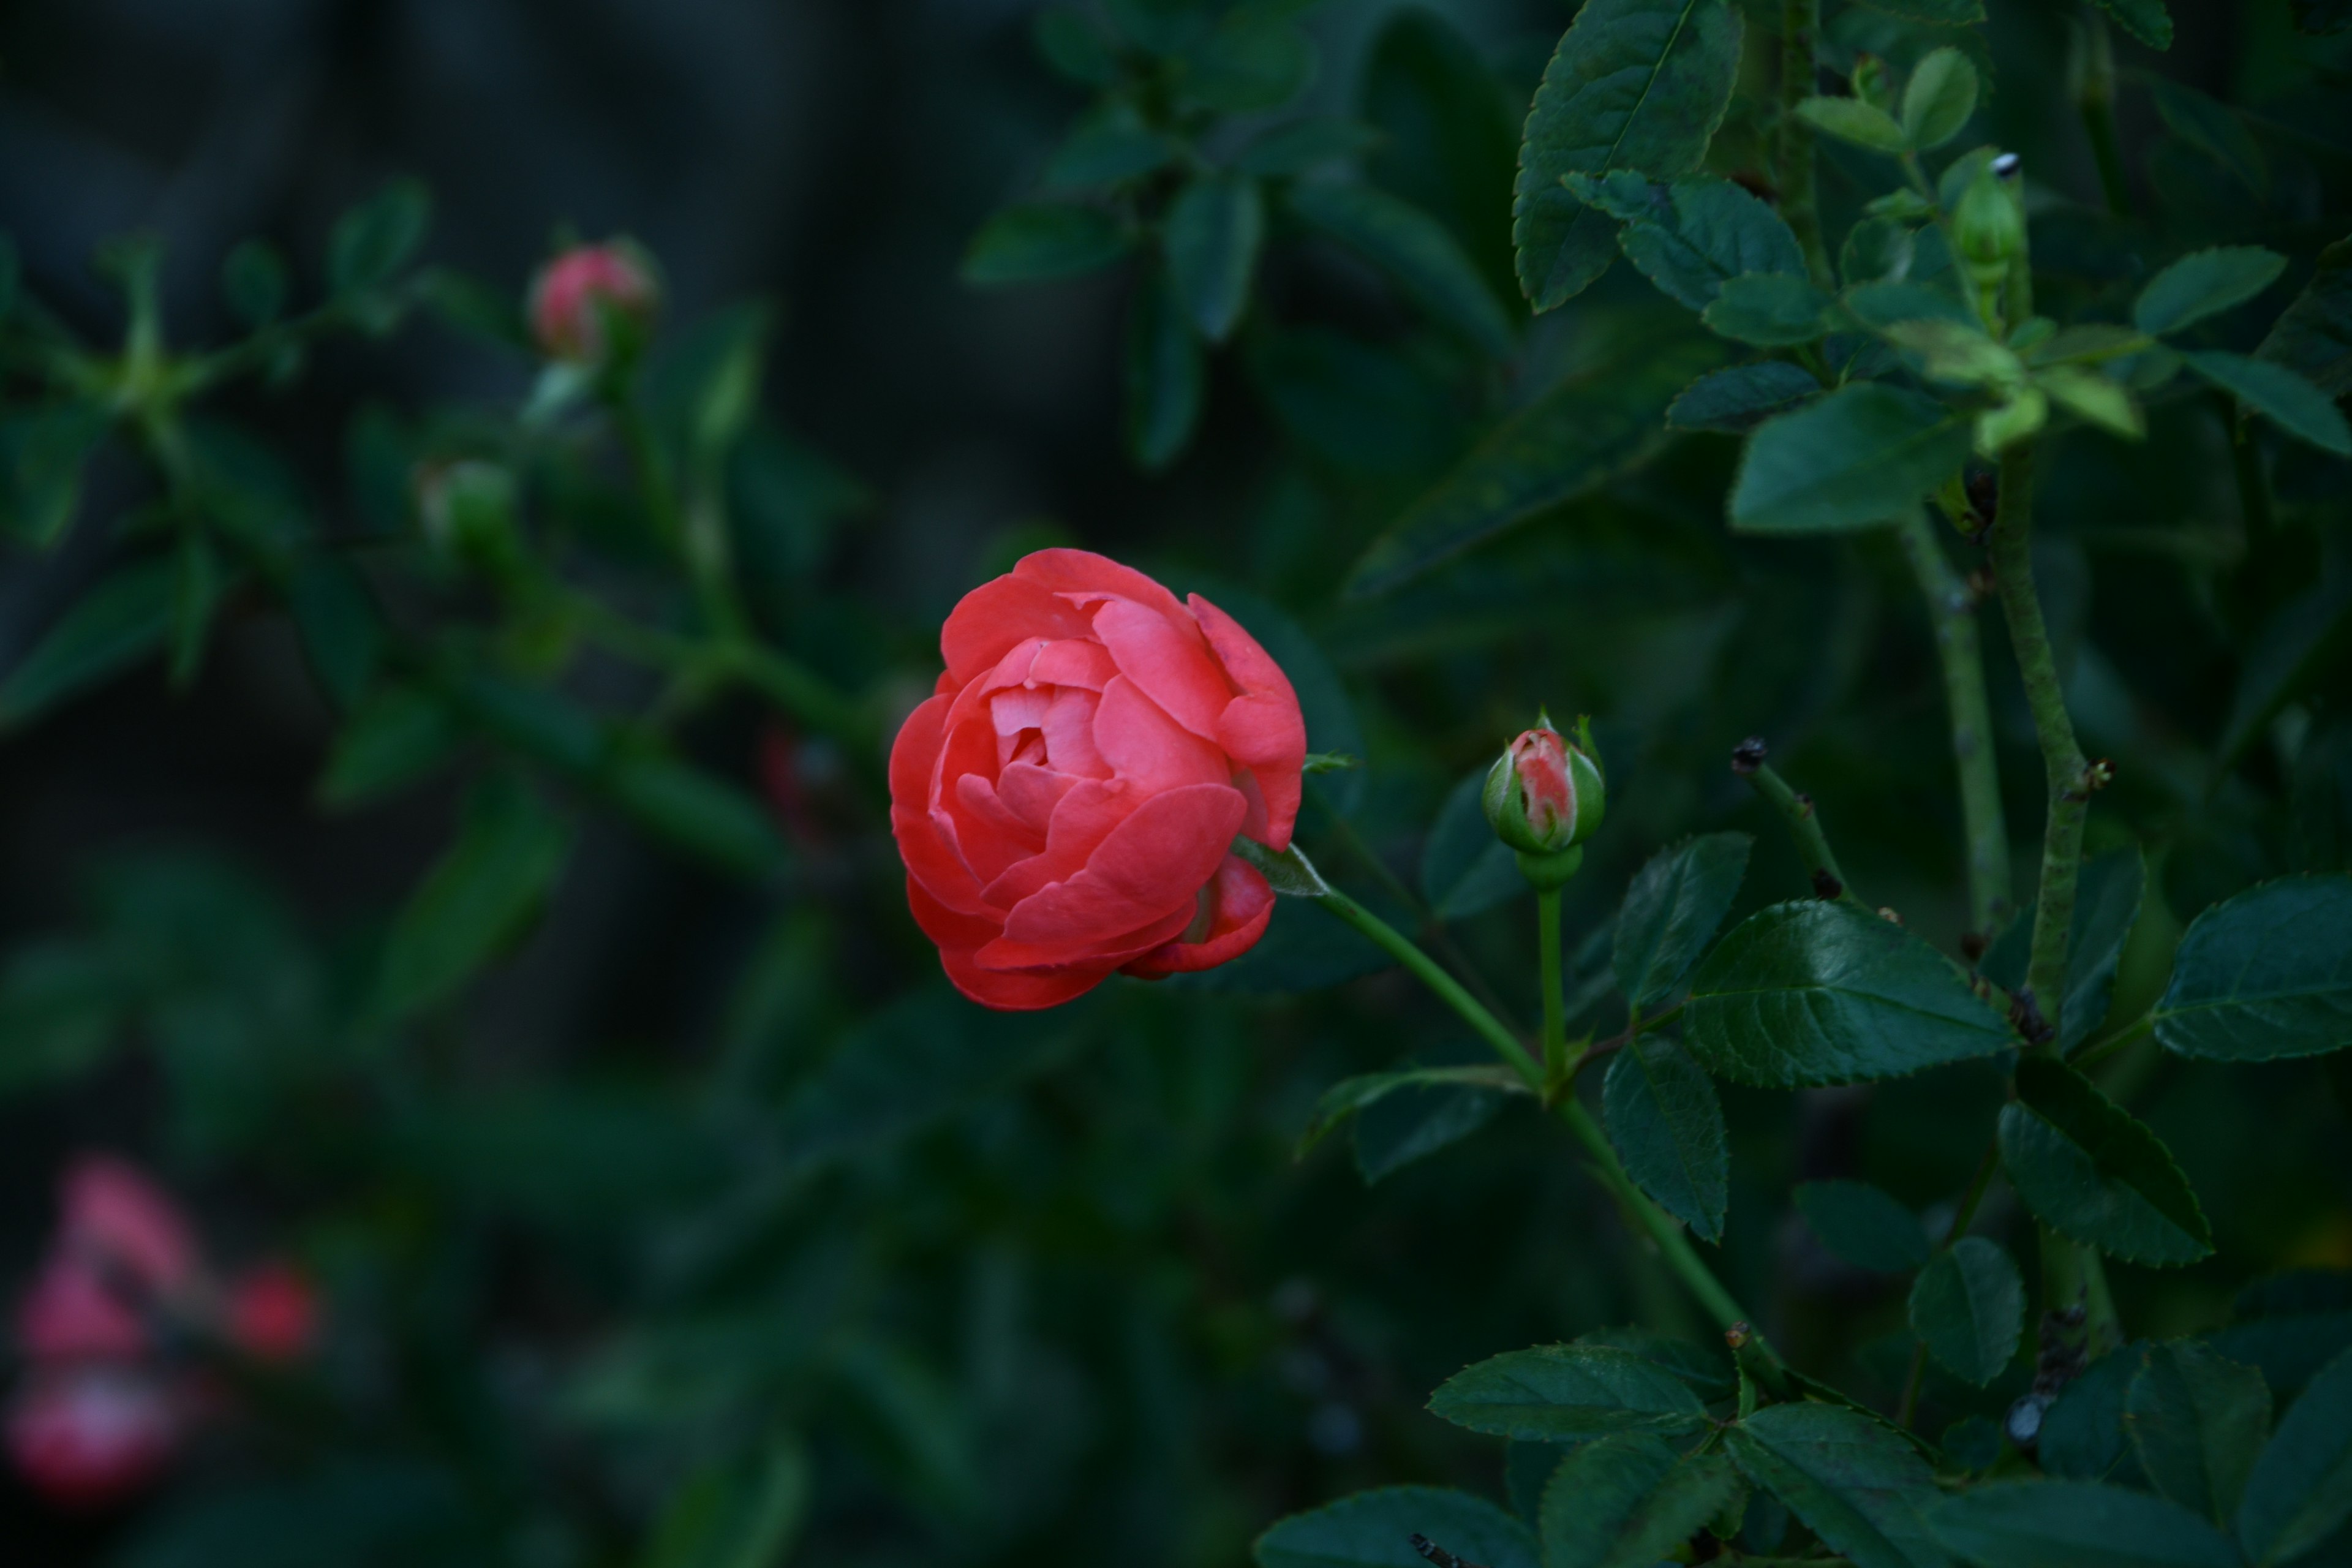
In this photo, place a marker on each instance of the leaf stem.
(1800, 25)
(1804, 823)
(1952, 609)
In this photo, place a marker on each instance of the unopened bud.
(1873, 83)
(593, 299)
(1990, 222)
(467, 510)
(1544, 797)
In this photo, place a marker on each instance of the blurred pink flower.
(69, 1314)
(120, 1224)
(86, 1433)
(574, 292)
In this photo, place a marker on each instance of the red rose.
(1067, 802)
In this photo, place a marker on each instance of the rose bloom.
(570, 293)
(1066, 803)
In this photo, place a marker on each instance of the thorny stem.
(1804, 822)
(1952, 609)
(1800, 25)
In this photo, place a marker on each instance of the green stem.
(2073, 1276)
(1449, 990)
(1800, 25)
(1952, 609)
(2094, 98)
(2068, 774)
(1805, 827)
(1554, 1009)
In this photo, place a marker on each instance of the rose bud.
(582, 297)
(1544, 797)
(86, 1434)
(1067, 801)
(272, 1314)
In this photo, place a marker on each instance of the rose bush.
(1067, 801)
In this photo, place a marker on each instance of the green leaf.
(1628, 1500)
(2146, 20)
(1214, 229)
(1424, 1119)
(2091, 396)
(1352, 1095)
(1864, 1225)
(2088, 1170)
(1957, 353)
(1365, 409)
(2313, 336)
(1851, 119)
(694, 812)
(2082, 1437)
(478, 898)
(62, 1010)
(2075, 1524)
(1556, 1392)
(1663, 1115)
(1634, 84)
(1074, 47)
(1414, 249)
(1703, 1367)
(1855, 1483)
(375, 240)
(2301, 1488)
(1939, 98)
(1026, 243)
(1689, 237)
(1811, 993)
(1247, 64)
(1449, 133)
(1865, 455)
(1969, 1306)
(2196, 1421)
(1882, 306)
(1165, 376)
(2213, 128)
(397, 736)
(1567, 443)
(1107, 148)
(1290, 873)
(1774, 310)
(1465, 868)
(2267, 975)
(1941, 13)
(1304, 144)
(1739, 399)
(1375, 1529)
(1671, 910)
(2279, 395)
(253, 281)
(1877, 250)
(114, 626)
(343, 630)
(2204, 283)
(2292, 649)
(43, 450)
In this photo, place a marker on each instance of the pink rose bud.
(587, 291)
(273, 1314)
(1067, 802)
(1544, 795)
(86, 1434)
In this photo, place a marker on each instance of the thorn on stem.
(2025, 1017)
(1749, 755)
(1826, 886)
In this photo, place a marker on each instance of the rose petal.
(1086, 814)
(1074, 661)
(1071, 746)
(999, 615)
(1085, 577)
(1031, 793)
(990, 835)
(1150, 749)
(1262, 729)
(1170, 662)
(1149, 867)
(1240, 904)
(929, 854)
(1017, 990)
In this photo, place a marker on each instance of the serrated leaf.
(1663, 1115)
(1671, 910)
(1690, 235)
(2279, 395)
(2196, 1421)
(1772, 309)
(2313, 336)
(2082, 1437)
(1939, 98)
(376, 239)
(1414, 249)
(2264, 975)
(2092, 1171)
(1031, 243)
(1633, 84)
(1214, 229)
(2301, 1488)
(1855, 1483)
(1967, 1307)
(1556, 1392)
(477, 899)
(1739, 399)
(1851, 120)
(1812, 993)
(1375, 1529)
(1703, 1367)
(2075, 1524)
(1627, 1500)
(1164, 375)
(2204, 283)
(1862, 455)
(2146, 20)
(119, 622)
(1565, 444)
(1864, 1225)
(1465, 868)
(1350, 1095)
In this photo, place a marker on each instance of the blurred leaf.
(397, 737)
(1969, 1306)
(476, 309)
(1304, 144)
(2313, 336)
(2267, 975)
(1739, 399)
(62, 1008)
(2090, 1170)
(564, 1156)
(2109, 892)
(1944, 12)
(1634, 84)
(1350, 1095)
(117, 624)
(1465, 869)
(2321, 17)
(788, 501)
(920, 1422)
(2290, 650)
(253, 281)
(1851, 119)
(1774, 310)
(540, 724)
(1073, 46)
(1573, 439)
(343, 630)
(2146, 20)
(1362, 408)
(352, 1511)
(700, 814)
(2197, 1421)
(1567, 1391)
(2076, 1524)
(1939, 98)
(1028, 244)
(1165, 375)
(1248, 63)
(1375, 1529)
(1671, 910)
(1862, 456)
(476, 901)
(1424, 1118)
(2279, 395)
(2301, 1486)
(1109, 146)
(1853, 1481)
(1215, 228)
(2090, 395)
(1824, 993)
(376, 239)
(1882, 306)
(1416, 251)
(2210, 126)
(1864, 1225)
(1449, 134)
(1628, 1500)
(2204, 283)
(1663, 1115)
(1692, 237)
(196, 592)
(43, 450)
(1876, 250)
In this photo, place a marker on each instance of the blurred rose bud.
(582, 297)
(467, 510)
(272, 1314)
(1871, 84)
(1989, 221)
(116, 1222)
(1544, 797)
(69, 1314)
(85, 1434)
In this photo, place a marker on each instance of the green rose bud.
(1544, 796)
